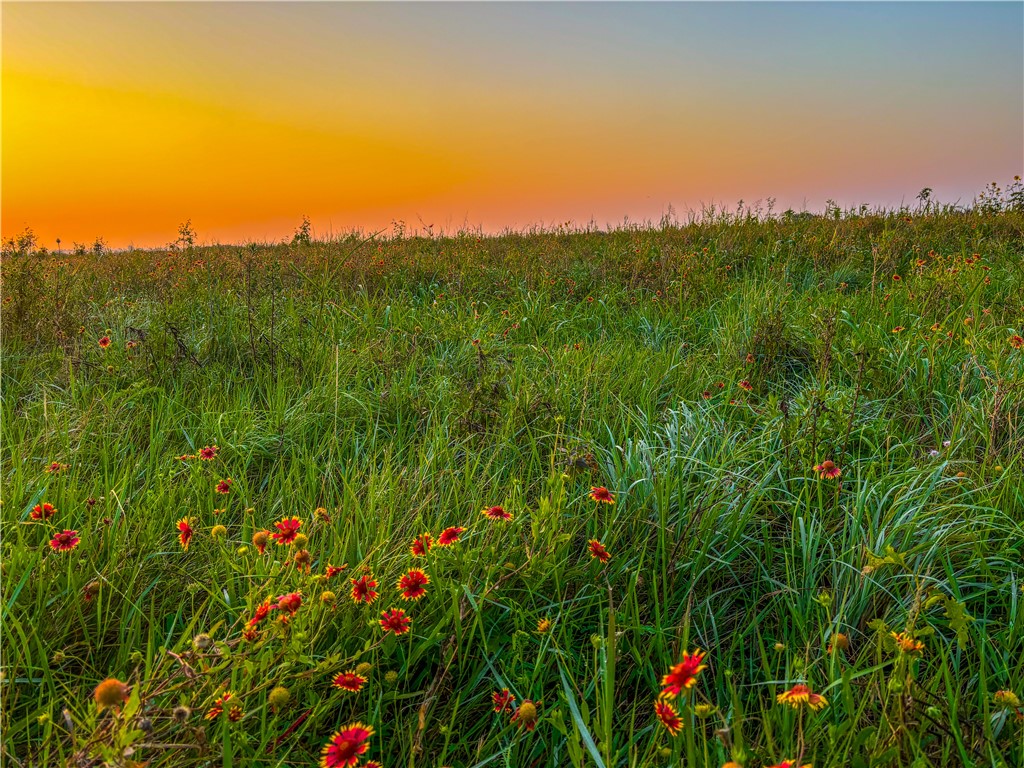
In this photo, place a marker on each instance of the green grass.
(403, 384)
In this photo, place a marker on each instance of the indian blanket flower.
(260, 539)
(1006, 699)
(43, 511)
(262, 611)
(185, 532)
(838, 642)
(290, 603)
(224, 486)
(421, 545)
(496, 513)
(218, 705)
(526, 715)
(503, 700)
(597, 551)
(906, 642)
(343, 749)
(55, 468)
(683, 675)
(64, 541)
(746, 386)
(110, 693)
(898, 329)
(363, 589)
(602, 495)
(828, 470)
(412, 584)
(799, 695)
(1017, 341)
(450, 535)
(334, 570)
(287, 530)
(790, 764)
(668, 715)
(395, 621)
(208, 453)
(104, 342)
(349, 681)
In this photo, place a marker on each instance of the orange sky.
(122, 120)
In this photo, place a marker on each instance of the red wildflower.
(259, 540)
(1016, 341)
(412, 584)
(287, 530)
(683, 675)
(789, 764)
(898, 329)
(235, 713)
(602, 495)
(334, 570)
(290, 602)
(224, 486)
(668, 715)
(421, 545)
(706, 395)
(349, 681)
(496, 513)
(598, 551)
(801, 694)
(395, 621)
(907, 643)
(526, 715)
(262, 611)
(43, 511)
(64, 541)
(208, 453)
(449, 536)
(218, 705)
(363, 589)
(503, 700)
(746, 386)
(55, 468)
(104, 342)
(343, 749)
(828, 470)
(185, 532)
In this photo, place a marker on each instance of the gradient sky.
(121, 120)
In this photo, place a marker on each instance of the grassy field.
(380, 388)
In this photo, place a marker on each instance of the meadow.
(744, 491)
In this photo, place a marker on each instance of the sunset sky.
(122, 120)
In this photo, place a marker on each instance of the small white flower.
(946, 443)
(933, 453)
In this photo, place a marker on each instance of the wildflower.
(328, 598)
(209, 453)
(104, 342)
(290, 602)
(55, 468)
(668, 715)
(828, 470)
(343, 749)
(503, 700)
(218, 705)
(543, 625)
(933, 453)
(526, 715)
(937, 326)
(224, 486)
(110, 693)
(450, 536)
(496, 513)
(412, 584)
(704, 710)
(90, 590)
(602, 495)
(320, 513)
(181, 713)
(202, 641)
(279, 696)
(1006, 699)
(395, 621)
(220, 511)
(839, 642)
(683, 675)
(597, 551)
(262, 611)
(300, 541)
(706, 395)
(421, 545)
(287, 530)
(801, 694)
(350, 681)
(301, 559)
(334, 570)
(65, 541)
(43, 511)
(185, 532)
(218, 531)
(906, 643)
(260, 539)
(896, 278)
(746, 386)
(789, 764)
(1017, 341)
(363, 589)
(898, 329)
